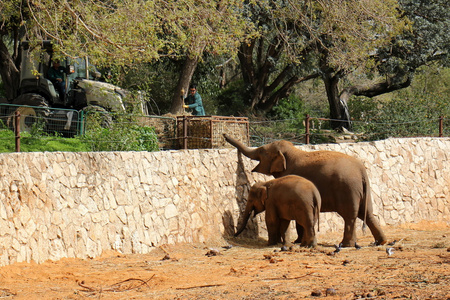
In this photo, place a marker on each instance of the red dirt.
(418, 269)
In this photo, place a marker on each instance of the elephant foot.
(273, 242)
(298, 241)
(347, 244)
(309, 245)
(378, 243)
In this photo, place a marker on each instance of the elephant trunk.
(249, 152)
(247, 214)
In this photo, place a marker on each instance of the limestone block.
(56, 250)
(153, 238)
(129, 210)
(121, 197)
(97, 217)
(440, 205)
(137, 216)
(121, 214)
(136, 246)
(170, 211)
(196, 221)
(93, 249)
(160, 227)
(126, 240)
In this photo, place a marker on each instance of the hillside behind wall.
(62, 204)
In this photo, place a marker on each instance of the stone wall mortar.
(63, 204)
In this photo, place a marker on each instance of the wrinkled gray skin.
(284, 199)
(341, 180)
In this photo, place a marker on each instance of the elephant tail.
(365, 199)
(317, 204)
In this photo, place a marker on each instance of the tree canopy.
(124, 32)
(279, 43)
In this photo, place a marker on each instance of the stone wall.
(63, 204)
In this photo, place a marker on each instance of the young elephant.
(284, 199)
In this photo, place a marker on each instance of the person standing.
(194, 101)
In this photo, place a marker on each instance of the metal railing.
(190, 132)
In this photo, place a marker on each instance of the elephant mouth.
(258, 169)
(255, 213)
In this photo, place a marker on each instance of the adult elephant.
(341, 180)
(284, 199)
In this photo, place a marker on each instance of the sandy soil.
(419, 268)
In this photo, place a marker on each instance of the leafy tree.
(202, 27)
(331, 40)
(120, 32)
(427, 41)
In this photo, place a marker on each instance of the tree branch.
(375, 89)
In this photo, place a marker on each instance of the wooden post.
(307, 129)
(17, 129)
(441, 126)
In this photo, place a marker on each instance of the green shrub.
(101, 134)
(122, 134)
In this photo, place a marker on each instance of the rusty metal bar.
(211, 133)
(17, 129)
(185, 129)
(307, 129)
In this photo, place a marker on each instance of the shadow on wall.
(242, 187)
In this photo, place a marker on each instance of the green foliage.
(427, 40)
(231, 100)
(286, 121)
(123, 134)
(129, 32)
(410, 112)
(293, 108)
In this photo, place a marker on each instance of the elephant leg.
(375, 229)
(300, 231)
(349, 239)
(309, 235)
(273, 230)
(284, 225)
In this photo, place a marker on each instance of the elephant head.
(271, 159)
(255, 203)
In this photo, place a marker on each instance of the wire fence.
(316, 130)
(190, 132)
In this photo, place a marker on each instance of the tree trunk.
(187, 72)
(9, 73)
(339, 114)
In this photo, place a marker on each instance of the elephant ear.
(263, 195)
(278, 163)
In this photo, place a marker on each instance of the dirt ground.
(419, 268)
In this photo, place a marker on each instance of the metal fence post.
(307, 129)
(441, 126)
(17, 129)
(185, 129)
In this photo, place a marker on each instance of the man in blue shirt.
(194, 101)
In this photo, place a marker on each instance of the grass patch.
(31, 143)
